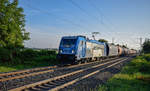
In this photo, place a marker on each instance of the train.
(76, 49)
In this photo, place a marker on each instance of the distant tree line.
(146, 46)
(105, 41)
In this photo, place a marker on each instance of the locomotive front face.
(67, 49)
(67, 46)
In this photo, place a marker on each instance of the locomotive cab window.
(68, 42)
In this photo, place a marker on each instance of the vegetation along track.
(33, 72)
(58, 82)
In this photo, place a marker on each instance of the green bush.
(144, 68)
(16, 59)
(135, 76)
(22, 55)
(146, 46)
(46, 52)
(147, 57)
(33, 53)
(4, 55)
(29, 53)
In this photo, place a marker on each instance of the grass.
(135, 76)
(6, 68)
(40, 61)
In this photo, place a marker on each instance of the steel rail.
(83, 77)
(58, 77)
(26, 75)
(24, 71)
(37, 73)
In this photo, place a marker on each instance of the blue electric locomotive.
(74, 49)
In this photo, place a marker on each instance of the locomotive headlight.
(72, 51)
(60, 51)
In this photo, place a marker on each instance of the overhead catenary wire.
(103, 17)
(99, 11)
(58, 18)
(66, 20)
(92, 3)
(83, 10)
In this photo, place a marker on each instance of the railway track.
(61, 81)
(16, 79)
(23, 72)
(36, 71)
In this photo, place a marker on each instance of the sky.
(125, 21)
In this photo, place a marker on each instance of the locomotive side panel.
(81, 48)
(89, 51)
(98, 50)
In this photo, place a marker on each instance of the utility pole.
(113, 39)
(126, 45)
(140, 43)
(140, 40)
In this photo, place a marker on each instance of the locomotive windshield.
(68, 42)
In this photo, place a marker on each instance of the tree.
(124, 46)
(12, 23)
(103, 40)
(118, 45)
(112, 43)
(146, 46)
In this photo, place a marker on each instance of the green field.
(26, 59)
(135, 76)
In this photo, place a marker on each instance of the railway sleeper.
(42, 87)
(33, 89)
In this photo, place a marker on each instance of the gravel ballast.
(96, 80)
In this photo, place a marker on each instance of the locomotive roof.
(93, 41)
(74, 36)
(97, 42)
